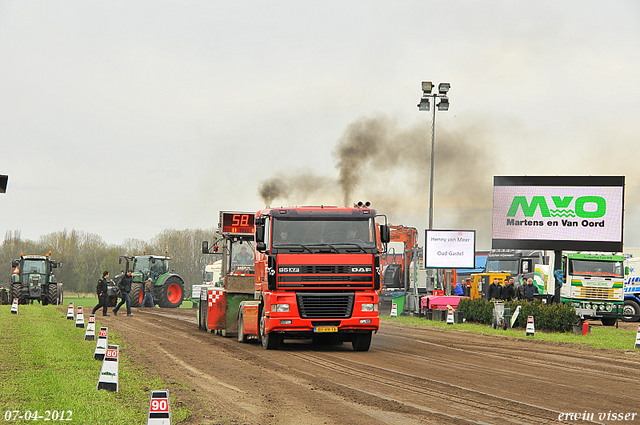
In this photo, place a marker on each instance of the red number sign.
(102, 333)
(112, 354)
(159, 405)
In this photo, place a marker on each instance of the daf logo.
(360, 269)
(289, 270)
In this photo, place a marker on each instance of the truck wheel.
(15, 293)
(242, 338)
(269, 341)
(137, 294)
(362, 342)
(608, 321)
(171, 292)
(631, 308)
(53, 294)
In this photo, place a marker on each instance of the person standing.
(148, 286)
(530, 290)
(101, 290)
(508, 291)
(495, 290)
(125, 288)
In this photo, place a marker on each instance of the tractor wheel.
(60, 295)
(137, 294)
(4, 296)
(52, 296)
(15, 293)
(362, 342)
(112, 301)
(171, 292)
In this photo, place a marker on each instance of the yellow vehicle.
(480, 282)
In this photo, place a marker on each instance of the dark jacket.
(529, 291)
(495, 291)
(520, 292)
(101, 289)
(508, 292)
(125, 283)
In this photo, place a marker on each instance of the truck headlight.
(280, 308)
(370, 307)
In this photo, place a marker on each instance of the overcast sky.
(127, 118)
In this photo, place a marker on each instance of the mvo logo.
(584, 206)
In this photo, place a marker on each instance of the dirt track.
(409, 376)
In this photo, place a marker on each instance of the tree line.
(85, 256)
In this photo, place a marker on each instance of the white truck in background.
(210, 277)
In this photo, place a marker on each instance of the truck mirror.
(60, 264)
(54, 265)
(119, 260)
(259, 234)
(261, 246)
(385, 233)
(15, 263)
(205, 247)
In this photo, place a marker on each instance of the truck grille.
(596, 293)
(325, 305)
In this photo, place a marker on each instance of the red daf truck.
(316, 274)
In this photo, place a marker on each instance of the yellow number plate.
(325, 329)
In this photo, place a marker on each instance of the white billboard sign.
(450, 249)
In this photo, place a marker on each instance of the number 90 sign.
(159, 405)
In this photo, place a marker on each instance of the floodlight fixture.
(443, 105)
(443, 88)
(427, 86)
(424, 104)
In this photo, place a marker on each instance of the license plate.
(325, 329)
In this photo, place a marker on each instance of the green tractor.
(168, 287)
(33, 280)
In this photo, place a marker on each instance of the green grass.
(45, 364)
(600, 337)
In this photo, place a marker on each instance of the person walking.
(125, 288)
(148, 286)
(530, 290)
(101, 290)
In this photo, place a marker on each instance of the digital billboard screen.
(450, 249)
(561, 212)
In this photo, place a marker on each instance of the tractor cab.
(149, 267)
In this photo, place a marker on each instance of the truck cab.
(317, 273)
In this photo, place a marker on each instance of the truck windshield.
(327, 231)
(509, 266)
(596, 268)
(34, 266)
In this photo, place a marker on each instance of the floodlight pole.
(424, 105)
(433, 154)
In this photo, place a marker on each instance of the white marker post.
(108, 379)
(70, 312)
(159, 409)
(450, 320)
(531, 330)
(90, 334)
(101, 344)
(14, 306)
(80, 318)
(394, 310)
(638, 338)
